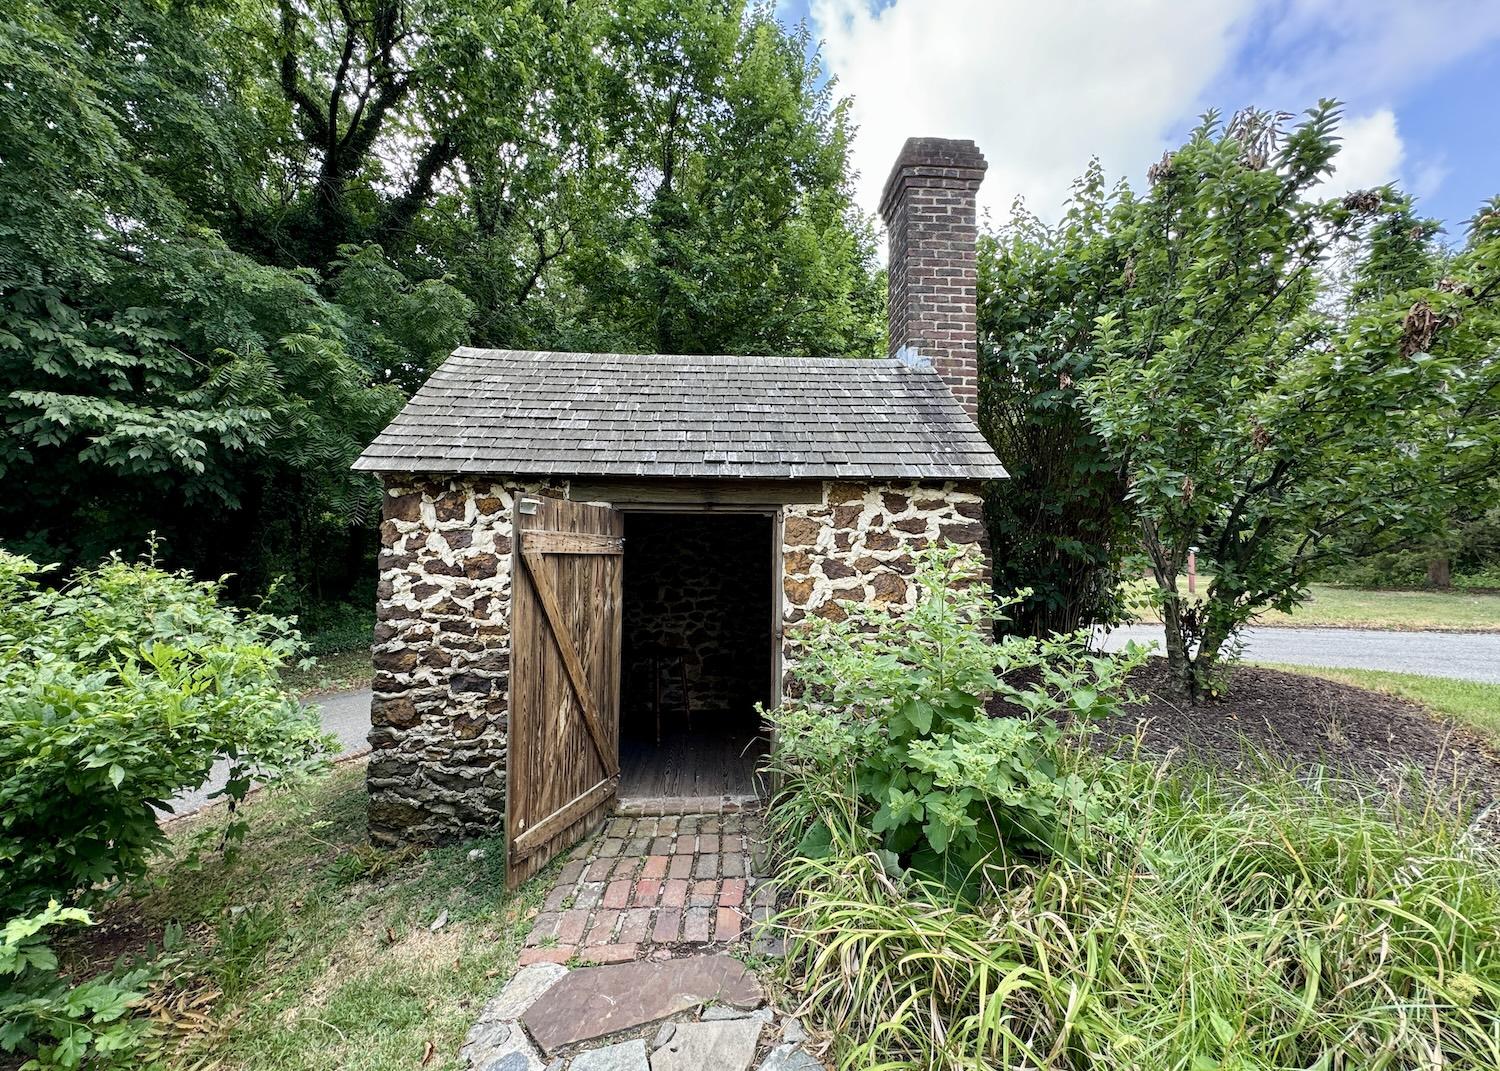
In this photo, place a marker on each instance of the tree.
(1258, 423)
(1059, 525)
(235, 237)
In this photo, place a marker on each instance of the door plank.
(561, 765)
(548, 542)
(569, 655)
(555, 823)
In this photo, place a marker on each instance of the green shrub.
(1282, 924)
(117, 692)
(890, 707)
(57, 1024)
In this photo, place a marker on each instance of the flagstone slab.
(789, 1057)
(595, 1002)
(626, 1056)
(725, 1045)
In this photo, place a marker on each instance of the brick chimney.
(929, 207)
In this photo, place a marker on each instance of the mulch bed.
(1303, 722)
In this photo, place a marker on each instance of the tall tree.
(1259, 424)
(1059, 526)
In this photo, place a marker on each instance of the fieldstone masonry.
(442, 659)
(439, 719)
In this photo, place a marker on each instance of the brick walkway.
(654, 886)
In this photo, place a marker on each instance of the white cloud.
(1371, 154)
(1040, 86)
(1043, 86)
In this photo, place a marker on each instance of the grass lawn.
(1333, 605)
(320, 947)
(1472, 703)
(337, 672)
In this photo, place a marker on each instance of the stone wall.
(442, 660)
(857, 545)
(439, 719)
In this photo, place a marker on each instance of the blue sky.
(1042, 85)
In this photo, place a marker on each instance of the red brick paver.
(651, 882)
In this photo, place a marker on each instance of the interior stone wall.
(438, 720)
(701, 583)
(857, 545)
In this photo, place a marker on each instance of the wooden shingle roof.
(622, 415)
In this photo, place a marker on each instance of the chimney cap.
(937, 158)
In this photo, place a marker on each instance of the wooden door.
(563, 759)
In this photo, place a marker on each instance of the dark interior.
(697, 651)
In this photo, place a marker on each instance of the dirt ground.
(1305, 721)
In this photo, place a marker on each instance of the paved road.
(1461, 655)
(346, 715)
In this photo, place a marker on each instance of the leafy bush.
(1218, 925)
(890, 707)
(117, 692)
(62, 1025)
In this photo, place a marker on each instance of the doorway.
(698, 653)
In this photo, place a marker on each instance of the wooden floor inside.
(690, 764)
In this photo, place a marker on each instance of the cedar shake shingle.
(536, 413)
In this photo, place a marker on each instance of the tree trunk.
(1439, 572)
(1179, 662)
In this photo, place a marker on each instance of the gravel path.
(345, 714)
(1460, 655)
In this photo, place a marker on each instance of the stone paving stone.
(521, 992)
(685, 844)
(544, 927)
(626, 1056)
(598, 870)
(732, 892)
(595, 1002)
(708, 842)
(695, 925)
(633, 926)
(662, 845)
(557, 897)
(654, 867)
(724, 1046)
(727, 924)
(636, 845)
(499, 1045)
(668, 923)
(570, 872)
(733, 865)
(681, 866)
(710, 823)
(703, 893)
(625, 867)
(707, 866)
(616, 894)
(557, 954)
(731, 842)
(571, 926)
(588, 894)
(615, 952)
(611, 847)
(646, 891)
(674, 893)
(602, 932)
(789, 1058)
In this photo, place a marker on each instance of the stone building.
(588, 560)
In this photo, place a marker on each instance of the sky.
(1043, 85)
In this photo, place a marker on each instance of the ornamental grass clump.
(1188, 921)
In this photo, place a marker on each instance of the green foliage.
(1059, 525)
(235, 237)
(890, 708)
(1255, 414)
(54, 1023)
(117, 692)
(1294, 922)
